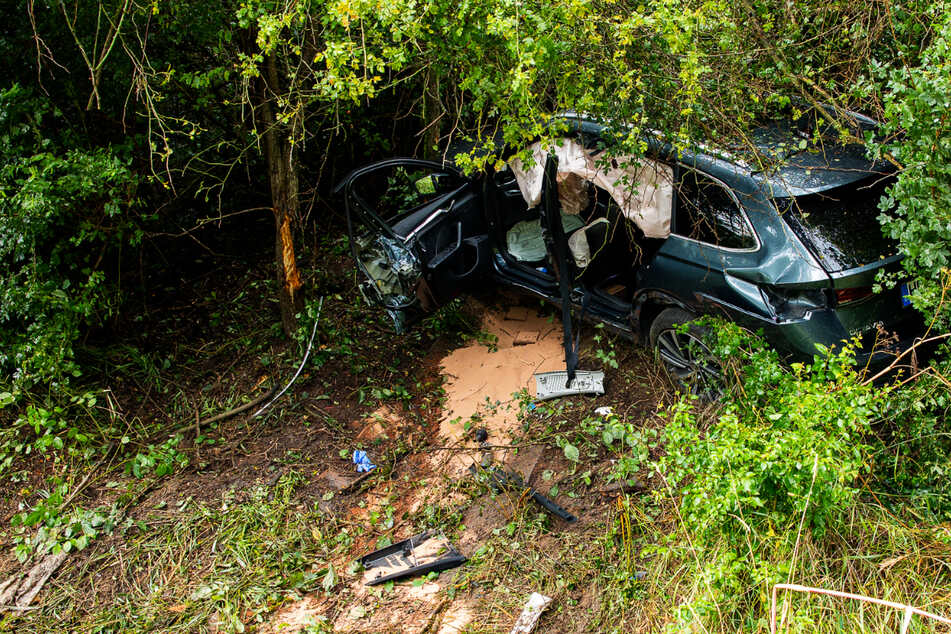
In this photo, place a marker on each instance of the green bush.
(778, 462)
(63, 211)
(52, 526)
(915, 136)
(787, 445)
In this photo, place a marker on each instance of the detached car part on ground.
(785, 241)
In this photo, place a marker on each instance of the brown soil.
(307, 434)
(480, 379)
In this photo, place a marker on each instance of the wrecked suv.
(784, 241)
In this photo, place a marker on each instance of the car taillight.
(846, 295)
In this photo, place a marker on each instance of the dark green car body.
(801, 269)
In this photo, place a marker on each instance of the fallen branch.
(390, 467)
(270, 393)
(909, 610)
(912, 348)
(345, 490)
(16, 593)
(18, 590)
(222, 416)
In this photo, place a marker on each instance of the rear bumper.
(899, 353)
(877, 347)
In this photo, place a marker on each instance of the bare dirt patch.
(482, 380)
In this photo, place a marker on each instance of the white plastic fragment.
(604, 412)
(532, 611)
(554, 384)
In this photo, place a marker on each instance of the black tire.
(686, 358)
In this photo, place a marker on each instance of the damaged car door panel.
(792, 250)
(417, 233)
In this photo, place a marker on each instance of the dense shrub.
(779, 461)
(64, 210)
(917, 137)
(787, 444)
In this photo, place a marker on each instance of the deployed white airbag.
(580, 245)
(642, 188)
(526, 243)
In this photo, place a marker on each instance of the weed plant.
(772, 486)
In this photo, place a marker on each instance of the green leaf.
(330, 579)
(571, 452)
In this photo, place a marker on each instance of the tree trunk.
(282, 172)
(431, 117)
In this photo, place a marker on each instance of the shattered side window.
(706, 212)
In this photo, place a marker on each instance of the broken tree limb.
(908, 610)
(19, 592)
(891, 366)
(353, 486)
(234, 411)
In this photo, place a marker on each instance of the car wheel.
(686, 358)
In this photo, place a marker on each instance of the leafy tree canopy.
(271, 96)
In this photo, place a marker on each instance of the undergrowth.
(799, 474)
(223, 565)
(774, 485)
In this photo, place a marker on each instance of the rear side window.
(708, 213)
(840, 226)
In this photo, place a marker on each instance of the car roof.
(774, 155)
(806, 155)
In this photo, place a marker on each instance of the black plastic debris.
(500, 479)
(418, 555)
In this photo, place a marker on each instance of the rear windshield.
(840, 226)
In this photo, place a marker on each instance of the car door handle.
(446, 253)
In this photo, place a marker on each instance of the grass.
(252, 525)
(634, 570)
(188, 566)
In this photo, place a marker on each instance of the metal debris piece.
(418, 555)
(532, 611)
(555, 384)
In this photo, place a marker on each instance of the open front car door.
(418, 234)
